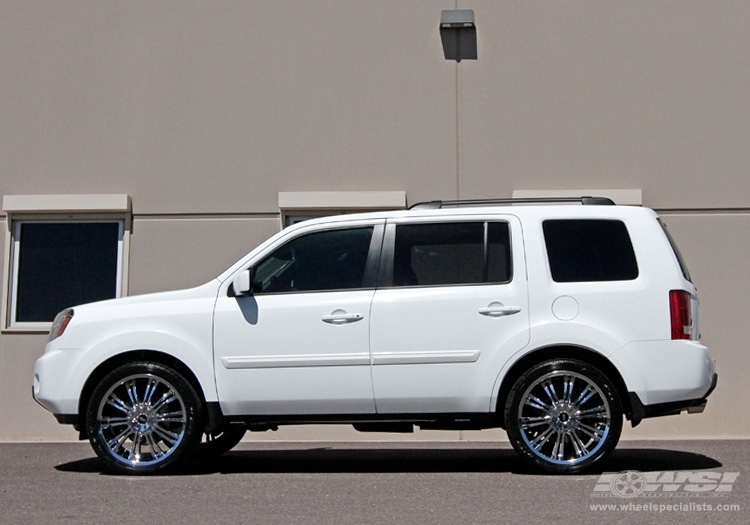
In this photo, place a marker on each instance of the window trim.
(20, 209)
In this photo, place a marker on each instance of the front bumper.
(59, 375)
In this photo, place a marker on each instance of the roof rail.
(585, 200)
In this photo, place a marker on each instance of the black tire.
(214, 444)
(563, 416)
(143, 418)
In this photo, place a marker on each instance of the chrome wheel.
(142, 418)
(565, 416)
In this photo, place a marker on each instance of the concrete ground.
(381, 482)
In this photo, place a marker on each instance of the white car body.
(400, 353)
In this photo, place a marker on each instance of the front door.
(299, 344)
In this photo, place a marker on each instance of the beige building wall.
(203, 112)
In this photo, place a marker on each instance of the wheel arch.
(155, 356)
(562, 351)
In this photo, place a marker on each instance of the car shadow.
(343, 459)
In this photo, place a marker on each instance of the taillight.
(680, 313)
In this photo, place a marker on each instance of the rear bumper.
(639, 411)
(665, 371)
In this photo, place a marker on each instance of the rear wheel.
(563, 416)
(143, 418)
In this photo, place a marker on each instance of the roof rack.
(585, 200)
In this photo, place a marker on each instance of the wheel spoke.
(165, 434)
(114, 421)
(578, 445)
(117, 403)
(132, 392)
(167, 398)
(568, 384)
(594, 433)
(150, 389)
(535, 402)
(541, 439)
(531, 422)
(587, 394)
(156, 450)
(549, 389)
(599, 412)
(559, 447)
(117, 442)
(178, 420)
(179, 414)
(135, 448)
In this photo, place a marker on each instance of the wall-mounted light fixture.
(458, 34)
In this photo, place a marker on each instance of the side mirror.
(242, 284)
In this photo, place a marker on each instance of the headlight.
(60, 324)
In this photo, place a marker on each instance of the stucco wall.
(204, 111)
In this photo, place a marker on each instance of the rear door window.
(583, 250)
(451, 254)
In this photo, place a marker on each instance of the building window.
(61, 264)
(298, 206)
(61, 251)
(290, 220)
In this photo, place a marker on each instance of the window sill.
(40, 330)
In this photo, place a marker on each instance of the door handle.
(341, 318)
(499, 310)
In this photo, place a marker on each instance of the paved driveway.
(381, 482)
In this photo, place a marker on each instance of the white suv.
(551, 321)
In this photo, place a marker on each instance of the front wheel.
(143, 418)
(563, 416)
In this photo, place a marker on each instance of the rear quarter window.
(676, 250)
(585, 250)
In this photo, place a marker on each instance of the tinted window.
(330, 260)
(498, 253)
(455, 253)
(680, 259)
(589, 250)
(64, 264)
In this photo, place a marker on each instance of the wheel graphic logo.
(628, 484)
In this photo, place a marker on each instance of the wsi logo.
(632, 483)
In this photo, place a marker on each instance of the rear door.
(451, 308)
